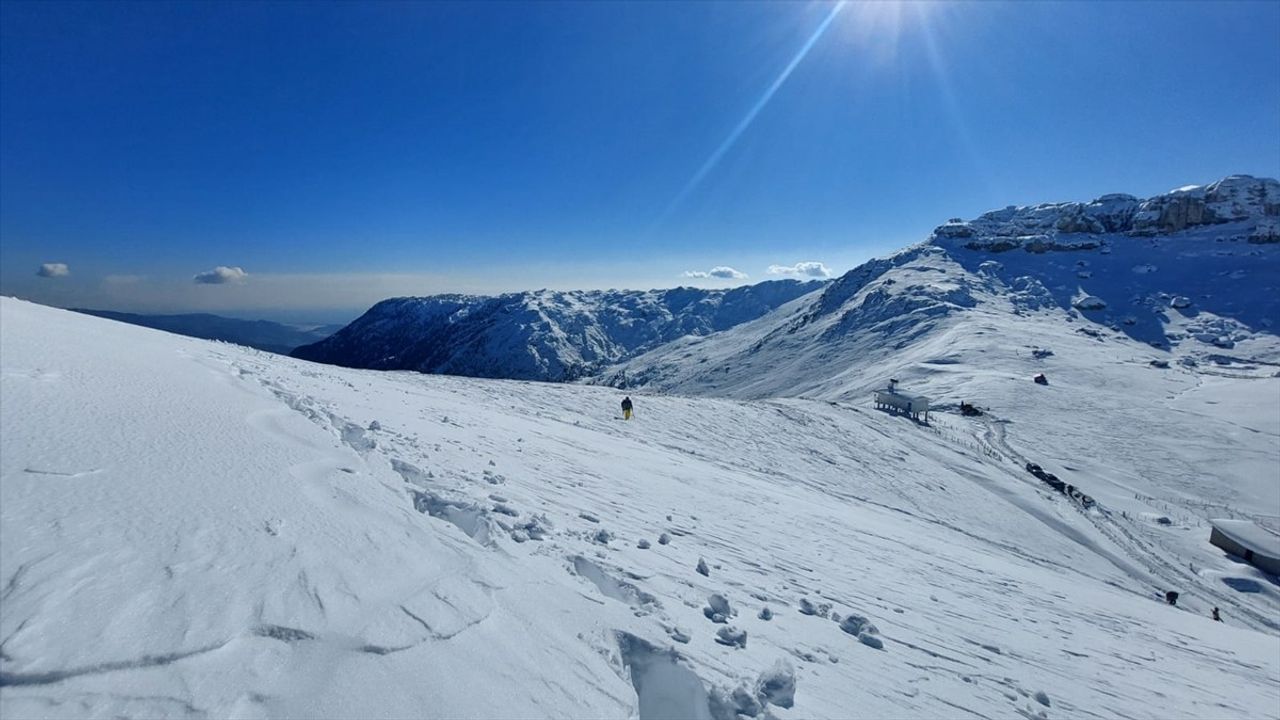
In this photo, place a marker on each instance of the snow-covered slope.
(1161, 349)
(541, 335)
(193, 529)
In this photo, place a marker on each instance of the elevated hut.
(894, 400)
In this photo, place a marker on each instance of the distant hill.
(261, 334)
(540, 335)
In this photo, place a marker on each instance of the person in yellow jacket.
(626, 408)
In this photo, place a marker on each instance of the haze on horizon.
(292, 160)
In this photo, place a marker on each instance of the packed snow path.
(191, 529)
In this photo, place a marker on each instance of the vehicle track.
(1171, 574)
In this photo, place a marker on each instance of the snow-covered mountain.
(1191, 277)
(541, 335)
(261, 334)
(195, 529)
(1059, 226)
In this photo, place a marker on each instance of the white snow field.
(195, 529)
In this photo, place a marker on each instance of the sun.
(877, 27)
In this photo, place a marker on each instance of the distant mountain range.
(540, 335)
(261, 334)
(1192, 275)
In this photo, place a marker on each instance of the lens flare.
(745, 122)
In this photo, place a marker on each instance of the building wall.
(1262, 562)
(918, 404)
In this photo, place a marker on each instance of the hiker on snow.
(626, 408)
(1216, 616)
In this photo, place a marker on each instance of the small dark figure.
(1171, 597)
(1041, 379)
(626, 408)
(1216, 616)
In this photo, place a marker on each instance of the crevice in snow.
(282, 633)
(664, 687)
(610, 586)
(9, 679)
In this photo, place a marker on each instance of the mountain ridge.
(265, 335)
(542, 334)
(1197, 293)
(1133, 261)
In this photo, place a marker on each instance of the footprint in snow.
(535, 528)
(808, 607)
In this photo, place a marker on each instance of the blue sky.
(341, 152)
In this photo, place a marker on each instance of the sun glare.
(878, 27)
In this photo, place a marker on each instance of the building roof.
(1250, 536)
(904, 396)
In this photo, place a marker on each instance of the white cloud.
(53, 270)
(722, 272)
(221, 275)
(806, 269)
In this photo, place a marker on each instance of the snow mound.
(1089, 302)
